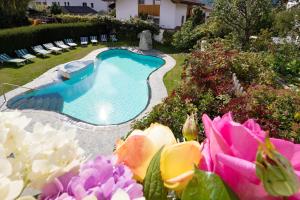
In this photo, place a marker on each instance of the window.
(141, 1)
(92, 5)
(84, 4)
(68, 3)
(58, 3)
(182, 20)
(65, 3)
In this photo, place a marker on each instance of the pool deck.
(94, 139)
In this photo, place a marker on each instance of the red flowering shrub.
(207, 87)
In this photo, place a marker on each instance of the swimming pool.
(112, 90)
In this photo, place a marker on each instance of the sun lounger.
(70, 43)
(113, 38)
(104, 38)
(39, 50)
(94, 39)
(62, 45)
(84, 41)
(7, 59)
(52, 48)
(23, 53)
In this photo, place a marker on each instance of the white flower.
(58, 154)
(9, 190)
(37, 157)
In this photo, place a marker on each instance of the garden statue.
(145, 40)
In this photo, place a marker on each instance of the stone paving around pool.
(94, 139)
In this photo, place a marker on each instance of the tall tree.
(13, 12)
(243, 16)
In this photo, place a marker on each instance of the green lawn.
(173, 78)
(23, 74)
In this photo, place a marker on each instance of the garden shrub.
(187, 36)
(263, 42)
(168, 37)
(211, 69)
(253, 68)
(284, 21)
(286, 60)
(172, 113)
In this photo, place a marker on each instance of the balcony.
(153, 10)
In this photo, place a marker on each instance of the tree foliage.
(285, 21)
(55, 9)
(244, 17)
(13, 12)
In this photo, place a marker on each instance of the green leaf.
(153, 185)
(207, 186)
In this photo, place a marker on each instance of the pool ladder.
(12, 85)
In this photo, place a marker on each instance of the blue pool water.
(113, 90)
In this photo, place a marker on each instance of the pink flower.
(101, 177)
(230, 151)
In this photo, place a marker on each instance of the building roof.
(189, 2)
(78, 10)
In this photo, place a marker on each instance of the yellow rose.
(139, 148)
(177, 164)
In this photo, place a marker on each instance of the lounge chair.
(7, 59)
(23, 53)
(52, 48)
(70, 43)
(39, 50)
(84, 40)
(113, 38)
(104, 38)
(62, 45)
(94, 39)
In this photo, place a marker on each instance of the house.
(169, 14)
(292, 3)
(96, 5)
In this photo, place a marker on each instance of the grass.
(23, 74)
(172, 79)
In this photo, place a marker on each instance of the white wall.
(167, 14)
(150, 2)
(99, 5)
(181, 10)
(126, 9)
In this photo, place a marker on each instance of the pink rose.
(230, 151)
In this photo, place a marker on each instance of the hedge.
(25, 37)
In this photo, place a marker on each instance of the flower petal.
(136, 153)
(177, 161)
